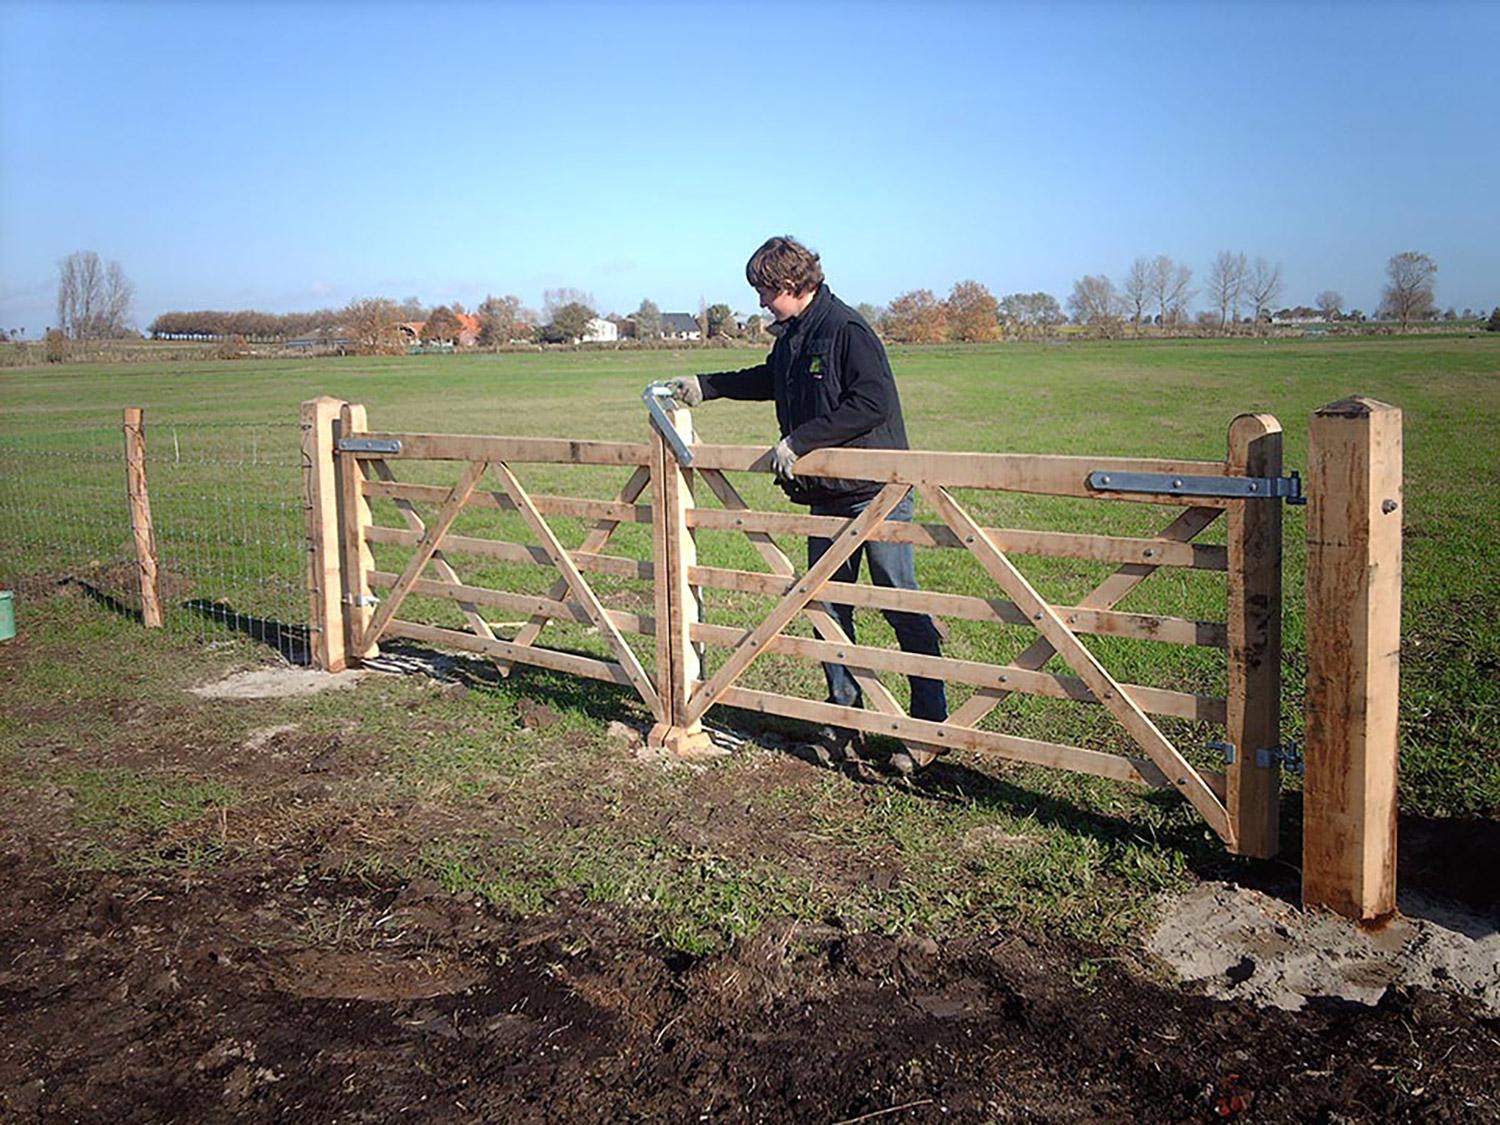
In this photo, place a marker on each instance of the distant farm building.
(600, 331)
(468, 333)
(681, 326)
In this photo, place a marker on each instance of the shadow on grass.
(100, 597)
(289, 640)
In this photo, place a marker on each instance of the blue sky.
(289, 157)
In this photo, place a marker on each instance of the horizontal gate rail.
(574, 507)
(551, 451)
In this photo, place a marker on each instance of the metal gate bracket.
(1288, 757)
(659, 401)
(369, 445)
(1288, 488)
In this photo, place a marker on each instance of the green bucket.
(7, 615)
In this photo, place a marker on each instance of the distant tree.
(1449, 314)
(1329, 303)
(93, 297)
(1095, 303)
(412, 309)
(917, 317)
(755, 326)
(372, 325)
(1356, 315)
(1226, 285)
(1407, 295)
(1171, 290)
(1136, 290)
(553, 301)
(1031, 313)
(721, 320)
(1493, 324)
(499, 320)
(441, 326)
(872, 314)
(569, 323)
(1263, 287)
(973, 313)
(55, 345)
(648, 320)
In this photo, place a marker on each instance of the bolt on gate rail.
(350, 466)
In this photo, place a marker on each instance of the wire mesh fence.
(226, 502)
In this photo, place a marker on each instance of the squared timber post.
(325, 584)
(141, 527)
(1254, 721)
(354, 522)
(678, 603)
(1353, 658)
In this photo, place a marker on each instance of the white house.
(680, 326)
(601, 331)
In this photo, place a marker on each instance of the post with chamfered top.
(678, 603)
(141, 527)
(1253, 783)
(325, 582)
(355, 520)
(1353, 658)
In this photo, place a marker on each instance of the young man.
(832, 385)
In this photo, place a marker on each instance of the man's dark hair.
(784, 263)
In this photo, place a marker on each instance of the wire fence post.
(325, 586)
(141, 527)
(1353, 658)
(354, 514)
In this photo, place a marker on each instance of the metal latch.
(361, 600)
(369, 445)
(659, 401)
(1288, 488)
(1288, 757)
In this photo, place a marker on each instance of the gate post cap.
(1355, 406)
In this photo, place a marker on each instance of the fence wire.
(227, 507)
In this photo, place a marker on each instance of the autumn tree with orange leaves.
(916, 317)
(973, 313)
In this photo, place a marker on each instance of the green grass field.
(226, 491)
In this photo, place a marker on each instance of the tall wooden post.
(141, 527)
(1353, 658)
(1253, 788)
(354, 518)
(678, 602)
(325, 585)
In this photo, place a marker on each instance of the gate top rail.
(481, 447)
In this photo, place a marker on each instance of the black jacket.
(833, 387)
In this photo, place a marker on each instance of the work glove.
(686, 389)
(782, 459)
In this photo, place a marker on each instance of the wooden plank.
(1006, 472)
(1080, 618)
(1107, 593)
(536, 604)
(819, 613)
(319, 419)
(803, 591)
(475, 447)
(521, 553)
(566, 662)
(426, 545)
(142, 530)
(1254, 721)
(1140, 771)
(582, 591)
(684, 601)
(1353, 651)
(596, 540)
(1051, 544)
(354, 518)
(661, 562)
(616, 511)
(1184, 705)
(1114, 698)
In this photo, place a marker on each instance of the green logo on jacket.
(817, 365)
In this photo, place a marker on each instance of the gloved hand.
(686, 390)
(782, 459)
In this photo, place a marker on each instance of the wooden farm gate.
(351, 465)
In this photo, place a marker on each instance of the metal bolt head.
(1388, 506)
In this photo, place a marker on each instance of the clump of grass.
(116, 801)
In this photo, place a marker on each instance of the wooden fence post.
(354, 519)
(325, 586)
(1254, 702)
(1353, 658)
(678, 602)
(141, 526)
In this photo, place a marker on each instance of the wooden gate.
(1240, 803)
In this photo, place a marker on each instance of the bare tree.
(372, 325)
(499, 319)
(1171, 290)
(1263, 287)
(553, 300)
(1137, 290)
(1095, 303)
(1407, 295)
(1226, 285)
(1027, 313)
(1329, 303)
(93, 297)
(648, 320)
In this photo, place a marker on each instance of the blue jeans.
(892, 565)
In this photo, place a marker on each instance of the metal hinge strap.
(369, 445)
(1288, 488)
(361, 600)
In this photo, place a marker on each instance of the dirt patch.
(1245, 945)
(275, 683)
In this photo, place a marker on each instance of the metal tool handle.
(659, 402)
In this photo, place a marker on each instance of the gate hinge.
(364, 601)
(369, 445)
(1225, 748)
(1288, 757)
(1288, 488)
